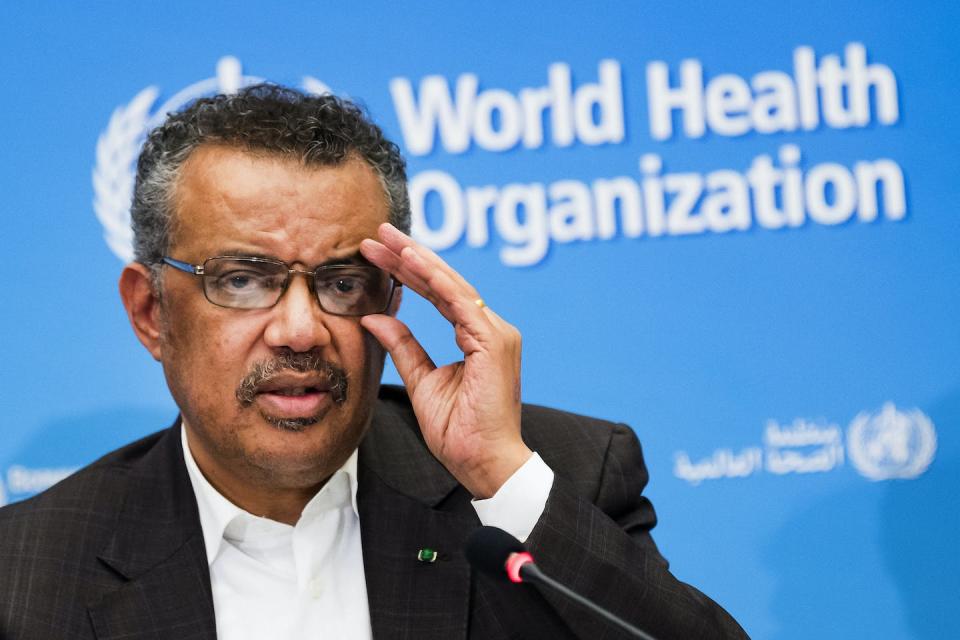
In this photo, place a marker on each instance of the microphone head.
(488, 548)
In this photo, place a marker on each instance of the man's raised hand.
(469, 411)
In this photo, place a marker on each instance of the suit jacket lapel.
(408, 502)
(158, 547)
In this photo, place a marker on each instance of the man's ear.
(142, 303)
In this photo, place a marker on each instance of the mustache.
(300, 362)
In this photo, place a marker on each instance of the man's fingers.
(438, 286)
(450, 299)
(426, 273)
(408, 355)
(397, 241)
(381, 256)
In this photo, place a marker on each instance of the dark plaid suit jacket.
(116, 550)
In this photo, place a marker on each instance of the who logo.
(119, 145)
(891, 444)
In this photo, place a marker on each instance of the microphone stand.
(531, 573)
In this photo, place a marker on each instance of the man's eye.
(346, 285)
(238, 281)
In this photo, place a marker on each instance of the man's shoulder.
(53, 545)
(557, 423)
(90, 496)
(575, 446)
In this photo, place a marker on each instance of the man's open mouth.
(298, 391)
(293, 402)
(293, 385)
(293, 389)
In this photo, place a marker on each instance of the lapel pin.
(427, 555)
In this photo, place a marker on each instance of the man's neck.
(258, 497)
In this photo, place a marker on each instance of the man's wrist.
(518, 505)
(483, 480)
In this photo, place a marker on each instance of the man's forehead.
(218, 163)
(231, 173)
(231, 195)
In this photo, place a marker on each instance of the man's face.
(291, 430)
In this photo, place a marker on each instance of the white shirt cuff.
(517, 506)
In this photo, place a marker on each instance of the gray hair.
(319, 130)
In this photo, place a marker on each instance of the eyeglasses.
(258, 283)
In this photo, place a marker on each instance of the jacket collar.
(393, 449)
(158, 546)
(409, 502)
(159, 513)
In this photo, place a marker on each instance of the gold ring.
(480, 303)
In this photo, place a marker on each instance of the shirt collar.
(216, 512)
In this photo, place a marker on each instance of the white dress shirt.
(273, 580)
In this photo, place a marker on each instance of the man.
(289, 500)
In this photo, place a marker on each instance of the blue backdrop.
(735, 229)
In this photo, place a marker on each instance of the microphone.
(499, 555)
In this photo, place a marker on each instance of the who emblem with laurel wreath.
(891, 443)
(119, 145)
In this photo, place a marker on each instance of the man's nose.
(298, 322)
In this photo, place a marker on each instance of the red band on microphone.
(514, 562)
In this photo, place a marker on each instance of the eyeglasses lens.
(352, 290)
(257, 284)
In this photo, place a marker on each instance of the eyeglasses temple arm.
(196, 269)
